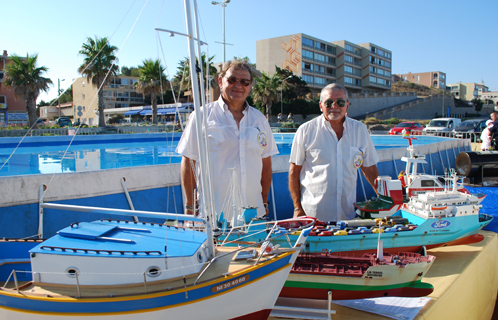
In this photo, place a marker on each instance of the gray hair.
(236, 64)
(333, 87)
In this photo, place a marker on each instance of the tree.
(183, 71)
(296, 88)
(266, 90)
(477, 104)
(130, 72)
(151, 81)
(25, 78)
(99, 66)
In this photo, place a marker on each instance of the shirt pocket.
(256, 139)
(356, 158)
(217, 136)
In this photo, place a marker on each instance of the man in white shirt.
(325, 157)
(240, 138)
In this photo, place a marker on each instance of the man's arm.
(188, 182)
(371, 173)
(266, 176)
(295, 189)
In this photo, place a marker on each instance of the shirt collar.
(224, 106)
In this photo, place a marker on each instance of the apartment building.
(359, 67)
(468, 91)
(119, 93)
(12, 110)
(436, 79)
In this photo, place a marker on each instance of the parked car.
(411, 127)
(442, 126)
(40, 121)
(63, 121)
(470, 129)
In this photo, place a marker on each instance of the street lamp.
(281, 96)
(59, 93)
(223, 4)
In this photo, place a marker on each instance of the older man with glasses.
(240, 146)
(325, 157)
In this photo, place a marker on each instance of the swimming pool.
(46, 155)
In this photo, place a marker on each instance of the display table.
(465, 280)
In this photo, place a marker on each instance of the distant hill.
(421, 90)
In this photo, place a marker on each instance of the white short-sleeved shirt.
(329, 166)
(241, 148)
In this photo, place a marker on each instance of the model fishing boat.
(121, 269)
(370, 276)
(430, 220)
(394, 192)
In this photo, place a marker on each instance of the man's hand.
(298, 212)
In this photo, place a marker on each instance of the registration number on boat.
(230, 284)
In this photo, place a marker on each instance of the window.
(308, 79)
(1, 75)
(82, 83)
(348, 80)
(330, 60)
(331, 50)
(435, 75)
(83, 96)
(348, 59)
(418, 78)
(319, 69)
(320, 81)
(435, 83)
(331, 72)
(373, 79)
(349, 48)
(307, 54)
(348, 69)
(319, 57)
(320, 46)
(307, 66)
(307, 42)
(3, 99)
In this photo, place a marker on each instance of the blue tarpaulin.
(488, 204)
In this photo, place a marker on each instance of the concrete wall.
(360, 104)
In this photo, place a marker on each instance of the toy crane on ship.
(394, 192)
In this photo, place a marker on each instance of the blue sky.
(456, 37)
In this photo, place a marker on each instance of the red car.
(413, 127)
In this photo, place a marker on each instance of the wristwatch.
(265, 204)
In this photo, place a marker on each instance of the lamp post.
(281, 96)
(59, 94)
(223, 4)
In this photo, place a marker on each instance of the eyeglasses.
(340, 102)
(234, 80)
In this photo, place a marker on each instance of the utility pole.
(59, 93)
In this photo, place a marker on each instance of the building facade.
(468, 91)
(435, 79)
(12, 110)
(119, 93)
(359, 67)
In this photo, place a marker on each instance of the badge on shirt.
(358, 160)
(262, 140)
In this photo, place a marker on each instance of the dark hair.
(236, 64)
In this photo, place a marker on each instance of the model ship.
(393, 193)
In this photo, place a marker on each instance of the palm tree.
(150, 82)
(26, 80)
(99, 66)
(266, 91)
(183, 70)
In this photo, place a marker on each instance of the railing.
(88, 131)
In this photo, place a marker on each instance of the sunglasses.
(234, 80)
(340, 102)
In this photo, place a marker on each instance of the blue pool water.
(43, 155)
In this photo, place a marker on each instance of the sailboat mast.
(203, 166)
(209, 189)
